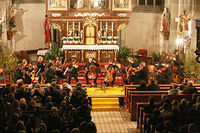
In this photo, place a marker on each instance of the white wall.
(143, 32)
(30, 27)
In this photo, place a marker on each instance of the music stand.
(98, 70)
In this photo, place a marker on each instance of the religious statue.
(121, 3)
(165, 24)
(183, 25)
(12, 24)
(2, 19)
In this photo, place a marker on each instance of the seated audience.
(190, 89)
(153, 86)
(142, 86)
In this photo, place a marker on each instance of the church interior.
(100, 66)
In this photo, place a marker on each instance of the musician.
(110, 66)
(40, 67)
(73, 71)
(131, 64)
(141, 73)
(49, 73)
(87, 66)
(58, 70)
(165, 74)
(18, 73)
(26, 70)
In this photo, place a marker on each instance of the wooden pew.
(144, 98)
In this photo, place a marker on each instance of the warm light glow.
(179, 41)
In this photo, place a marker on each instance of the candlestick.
(67, 28)
(112, 29)
(106, 26)
(73, 29)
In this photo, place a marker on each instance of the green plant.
(191, 66)
(53, 52)
(8, 60)
(156, 56)
(124, 53)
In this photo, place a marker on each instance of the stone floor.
(113, 122)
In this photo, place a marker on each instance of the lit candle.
(106, 26)
(73, 29)
(79, 26)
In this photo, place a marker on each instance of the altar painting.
(88, 4)
(119, 5)
(57, 4)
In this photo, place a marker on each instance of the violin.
(109, 76)
(128, 74)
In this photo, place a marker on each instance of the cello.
(109, 76)
(92, 72)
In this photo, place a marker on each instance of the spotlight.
(179, 41)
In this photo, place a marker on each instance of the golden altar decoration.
(87, 28)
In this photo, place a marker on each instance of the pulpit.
(88, 28)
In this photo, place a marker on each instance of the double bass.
(109, 76)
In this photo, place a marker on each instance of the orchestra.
(132, 73)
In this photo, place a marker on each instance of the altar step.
(105, 104)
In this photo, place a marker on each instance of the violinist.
(58, 70)
(26, 70)
(111, 70)
(165, 74)
(73, 71)
(40, 68)
(49, 73)
(141, 73)
(87, 67)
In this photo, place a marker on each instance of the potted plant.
(123, 54)
(156, 56)
(53, 52)
(191, 66)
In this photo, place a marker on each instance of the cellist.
(132, 65)
(111, 73)
(87, 67)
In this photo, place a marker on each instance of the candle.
(112, 29)
(67, 28)
(73, 29)
(106, 26)
(79, 26)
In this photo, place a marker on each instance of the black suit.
(18, 75)
(40, 69)
(87, 65)
(73, 73)
(189, 90)
(166, 76)
(141, 75)
(49, 75)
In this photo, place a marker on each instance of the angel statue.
(183, 25)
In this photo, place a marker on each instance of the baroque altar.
(88, 28)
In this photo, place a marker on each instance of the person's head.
(192, 128)
(152, 80)
(50, 65)
(166, 106)
(54, 110)
(20, 126)
(53, 82)
(163, 97)
(142, 83)
(111, 61)
(190, 83)
(168, 125)
(151, 100)
(40, 59)
(75, 130)
(90, 59)
(78, 87)
(175, 103)
(78, 84)
(198, 99)
(24, 62)
(19, 66)
(143, 64)
(175, 85)
(20, 82)
(130, 59)
(197, 106)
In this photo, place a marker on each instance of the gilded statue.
(183, 25)
(165, 24)
(2, 19)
